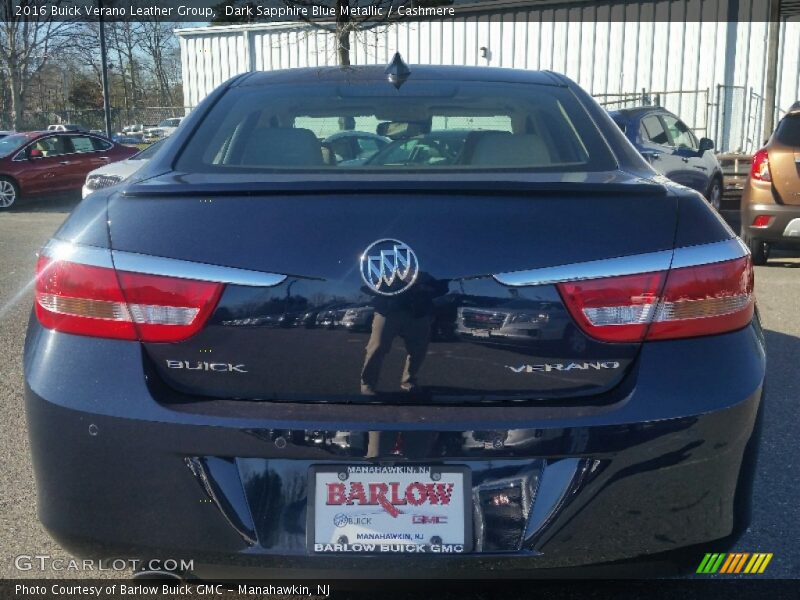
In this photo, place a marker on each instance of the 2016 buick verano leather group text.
(558, 360)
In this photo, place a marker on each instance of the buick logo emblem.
(389, 267)
(340, 520)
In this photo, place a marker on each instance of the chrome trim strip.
(704, 254)
(157, 265)
(184, 269)
(686, 256)
(93, 256)
(608, 267)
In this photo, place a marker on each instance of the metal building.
(706, 60)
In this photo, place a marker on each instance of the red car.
(39, 162)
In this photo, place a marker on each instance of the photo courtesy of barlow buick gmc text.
(451, 299)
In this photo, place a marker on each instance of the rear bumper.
(670, 466)
(784, 228)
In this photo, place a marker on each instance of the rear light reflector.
(97, 301)
(759, 168)
(684, 302)
(762, 221)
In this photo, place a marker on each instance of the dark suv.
(673, 149)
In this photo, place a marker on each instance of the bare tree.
(348, 19)
(157, 40)
(27, 44)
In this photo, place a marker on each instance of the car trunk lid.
(305, 339)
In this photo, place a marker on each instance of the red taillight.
(694, 301)
(99, 302)
(759, 170)
(762, 221)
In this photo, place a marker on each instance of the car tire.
(759, 250)
(9, 192)
(714, 194)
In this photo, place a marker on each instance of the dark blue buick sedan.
(559, 362)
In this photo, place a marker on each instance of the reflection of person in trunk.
(408, 315)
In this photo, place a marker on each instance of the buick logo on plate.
(389, 267)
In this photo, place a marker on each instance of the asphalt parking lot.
(776, 523)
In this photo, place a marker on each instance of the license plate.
(389, 509)
(482, 333)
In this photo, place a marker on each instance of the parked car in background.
(137, 128)
(164, 129)
(127, 139)
(673, 149)
(65, 127)
(354, 147)
(112, 174)
(358, 318)
(771, 197)
(41, 162)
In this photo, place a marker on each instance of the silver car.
(114, 173)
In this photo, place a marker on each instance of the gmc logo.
(428, 520)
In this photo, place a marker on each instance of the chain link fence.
(89, 119)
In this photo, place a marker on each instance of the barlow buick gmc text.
(498, 342)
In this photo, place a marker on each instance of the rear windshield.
(789, 130)
(423, 126)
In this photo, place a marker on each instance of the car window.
(101, 144)
(82, 143)
(11, 143)
(681, 135)
(368, 146)
(620, 121)
(499, 125)
(789, 130)
(342, 147)
(652, 130)
(53, 145)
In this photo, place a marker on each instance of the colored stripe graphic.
(711, 563)
(729, 563)
(764, 564)
(741, 562)
(735, 562)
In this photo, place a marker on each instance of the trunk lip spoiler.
(361, 184)
(661, 260)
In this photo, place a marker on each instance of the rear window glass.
(789, 131)
(449, 126)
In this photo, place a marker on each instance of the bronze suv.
(771, 199)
